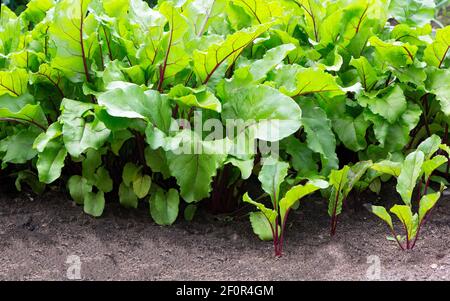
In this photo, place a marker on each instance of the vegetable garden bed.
(38, 235)
(236, 110)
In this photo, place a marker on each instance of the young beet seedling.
(270, 224)
(342, 182)
(418, 165)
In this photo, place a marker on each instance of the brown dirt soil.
(38, 233)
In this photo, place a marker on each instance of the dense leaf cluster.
(90, 91)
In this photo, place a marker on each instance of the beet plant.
(342, 182)
(270, 223)
(417, 167)
(179, 105)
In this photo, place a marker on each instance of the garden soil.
(39, 233)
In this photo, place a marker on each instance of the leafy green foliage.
(342, 182)
(115, 99)
(417, 166)
(270, 224)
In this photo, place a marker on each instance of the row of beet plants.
(119, 101)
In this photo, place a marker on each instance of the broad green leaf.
(53, 131)
(413, 74)
(355, 174)
(262, 11)
(237, 17)
(79, 132)
(22, 109)
(427, 202)
(294, 194)
(94, 203)
(366, 72)
(301, 156)
(11, 31)
(141, 185)
(78, 189)
(199, 97)
(208, 61)
(195, 164)
(29, 114)
(411, 170)
(116, 8)
(90, 163)
(157, 161)
(412, 12)
(118, 124)
(388, 167)
(16, 103)
(131, 101)
(127, 196)
(245, 166)
(294, 81)
(431, 165)
(36, 10)
(412, 35)
(175, 56)
(18, 148)
(130, 173)
(437, 84)
(14, 82)
(152, 36)
(141, 26)
(394, 53)
(351, 131)
(390, 106)
(272, 115)
(261, 226)
(103, 180)
(404, 214)
(269, 214)
(436, 52)
(394, 137)
(295, 55)
(164, 207)
(319, 136)
(72, 31)
(430, 146)
(314, 12)
(271, 59)
(159, 139)
(202, 13)
(51, 161)
(331, 27)
(272, 174)
(52, 76)
(382, 213)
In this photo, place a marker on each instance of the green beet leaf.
(164, 206)
(141, 186)
(94, 203)
(127, 196)
(411, 170)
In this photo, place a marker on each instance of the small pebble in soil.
(434, 266)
